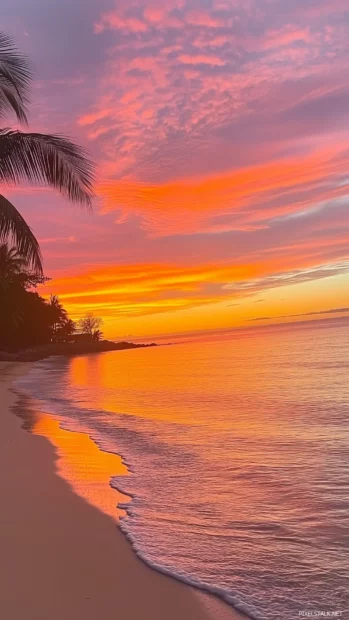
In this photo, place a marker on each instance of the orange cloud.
(143, 289)
(247, 193)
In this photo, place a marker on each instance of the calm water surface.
(238, 460)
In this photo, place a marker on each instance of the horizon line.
(238, 329)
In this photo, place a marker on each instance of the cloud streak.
(143, 289)
(292, 316)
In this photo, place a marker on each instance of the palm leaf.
(12, 224)
(10, 101)
(11, 260)
(47, 159)
(15, 78)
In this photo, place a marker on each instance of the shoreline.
(62, 557)
(68, 349)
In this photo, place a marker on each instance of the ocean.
(235, 459)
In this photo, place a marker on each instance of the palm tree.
(12, 268)
(11, 263)
(58, 313)
(33, 157)
(64, 331)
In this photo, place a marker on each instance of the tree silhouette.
(27, 319)
(90, 325)
(11, 264)
(58, 313)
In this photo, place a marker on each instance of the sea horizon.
(206, 334)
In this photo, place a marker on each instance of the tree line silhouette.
(26, 318)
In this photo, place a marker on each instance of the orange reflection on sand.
(84, 466)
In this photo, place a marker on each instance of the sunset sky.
(221, 133)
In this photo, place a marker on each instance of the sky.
(220, 129)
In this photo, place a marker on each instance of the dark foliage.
(15, 79)
(26, 319)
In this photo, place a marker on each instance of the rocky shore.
(70, 348)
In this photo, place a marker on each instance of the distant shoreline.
(34, 354)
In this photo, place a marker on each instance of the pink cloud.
(117, 22)
(202, 18)
(91, 119)
(188, 83)
(155, 14)
(287, 36)
(201, 59)
(323, 8)
(45, 240)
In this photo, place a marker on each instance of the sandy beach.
(62, 558)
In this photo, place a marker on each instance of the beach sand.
(63, 559)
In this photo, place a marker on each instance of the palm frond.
(11, 264)
(10, 101)
(15, 78)
(47, 159)
(13, 225)
(11, 256)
